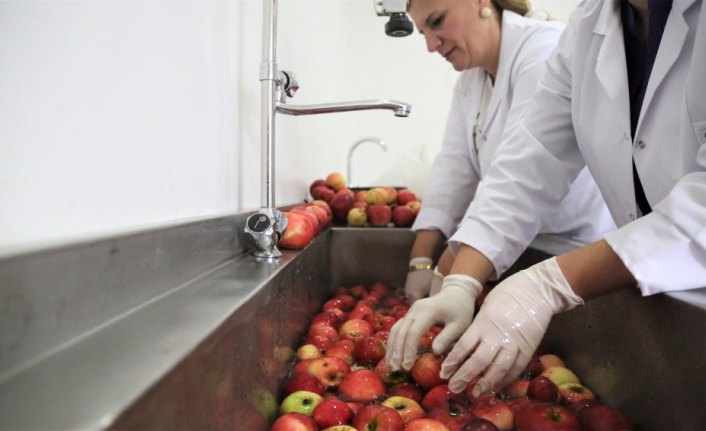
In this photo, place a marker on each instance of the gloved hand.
(419, 281)
(508, 328)
(436, 281)
(452, 306)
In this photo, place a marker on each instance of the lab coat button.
(631, 216)
(641, 145)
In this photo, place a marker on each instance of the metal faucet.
(374, 140)
(267, 225)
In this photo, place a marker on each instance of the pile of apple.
(304, 222)
(340, 381)
(377, 206)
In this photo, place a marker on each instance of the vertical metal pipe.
(268, 87)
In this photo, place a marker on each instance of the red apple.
(332, 412)
(369, 351)
(362, 386)
(323, 193)
(426, 369)
(309, 215)
(538, 416)
(336, 181)
(378, 418)
(323, 330)
(357, 217)
(403, 216)
(534, 367)
(406, 407)
(379, 215)
(323, 205)
(299, 232)
(604, 417)
(340, 206)
(495, 410)
(330, 370)
(479, 424)
(426, 424)
(346, 191)
(453, 416)
(303, 382)
(341, 352)
(361, 205)
(390, 376)
(579, 406)
(294, 422)
(441, 396)
(333, 317)
(358, 291)
(516, 389)
(360, 196)
(404, 196)
(407, 389)
(321, 215)
(316, 183)
(543, 390)
(380, 289)
(355, 329)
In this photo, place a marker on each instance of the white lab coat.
(580, 116)
(459, 167)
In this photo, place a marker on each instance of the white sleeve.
(452, 179)
(531, 174)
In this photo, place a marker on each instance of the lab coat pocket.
(700, 130)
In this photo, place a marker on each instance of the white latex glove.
(418, 281)
(452, 306)
(508, 328)
(436, 282)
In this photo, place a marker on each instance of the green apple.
(300, 402)
(560, 375)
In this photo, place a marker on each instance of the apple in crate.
(323, 193)
(404, 196)
(408, 390)
(378, 418)
(357, 217)
(340, 205)
(406, 407)
(390, 376)
(363, 386)
(441, 396)
(516, 388)
(300, 402)
(355, 329)
(538, 416)
(403, 216)
(479, 424)
(332, 412)
(294, 422)
(346, 191)
(453, 416)
(426, 369)
(299, 232)
(336, 181)
(308, 351)
(361, 196)
(426, 424)
(377, 196)
(379, 215)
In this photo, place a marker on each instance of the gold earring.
(485, 12)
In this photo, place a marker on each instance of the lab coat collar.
(611, 56)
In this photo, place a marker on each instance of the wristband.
(418, 266)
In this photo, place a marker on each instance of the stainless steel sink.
(211, 352)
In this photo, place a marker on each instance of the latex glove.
(436, 282)
(508, 328)
(452, 306)
(418, 281)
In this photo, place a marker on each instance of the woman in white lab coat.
(502, 56)
(589, 110)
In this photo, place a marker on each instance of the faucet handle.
(266, 227)
(289, 82)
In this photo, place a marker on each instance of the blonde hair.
(520, 7)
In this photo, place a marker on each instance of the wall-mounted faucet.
(275, 87)
(374, 140)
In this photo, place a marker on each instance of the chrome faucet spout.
(400, 109)
(374, 140)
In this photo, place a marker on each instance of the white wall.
(117, 115)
